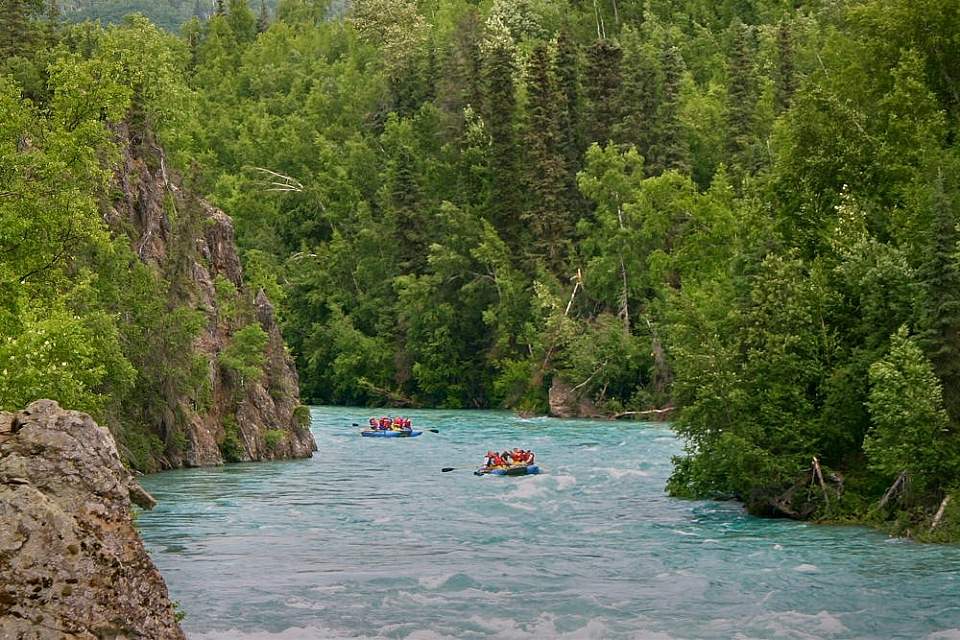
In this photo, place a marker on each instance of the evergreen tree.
(940, 271)
(460, 81)
(567, 74)
(639, 96)
(505, 198)
(602, 86)
(16, 31)
(549, 217)
(263, 20)
(741, 100)
(242, 21)
(786, 71)
(669, 148)
(401, 197)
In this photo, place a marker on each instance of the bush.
(231, 447)
(273, 438)
(244, 356)
(301, 417)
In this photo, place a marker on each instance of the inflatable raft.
(390, 434)
(518, 470)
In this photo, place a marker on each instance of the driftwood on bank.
(895, 489)
(794, 502)
(818, 474)
(939, 516)
(648, 412)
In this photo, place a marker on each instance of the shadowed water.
(370, 539)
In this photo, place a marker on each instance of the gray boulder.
(72, 565)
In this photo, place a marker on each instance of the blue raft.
(520, 470)
(390, 434)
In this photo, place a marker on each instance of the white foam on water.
(543, 628)
(301, 603)
(948, 634)
(433, 582)
(522, 507)
(804, 626)
(293, 633)
(419, 599)
(332, 588)
(564, 482)
(527, 488)
(617, 474)
(426, 634)
(806, 568)
(314, 633)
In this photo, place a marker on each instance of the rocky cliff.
(72, 565)
(230, 416)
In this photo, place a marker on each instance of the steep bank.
(245, 404)
(72, 565)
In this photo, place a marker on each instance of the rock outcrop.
(72, 565)
(191, 244)
(568, 402)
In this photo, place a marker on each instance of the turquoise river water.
(369, 539)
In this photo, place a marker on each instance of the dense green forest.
(746, 209)
(169, 14)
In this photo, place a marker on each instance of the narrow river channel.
(370, 539)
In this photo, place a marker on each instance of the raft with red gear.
(390, 433)
(512, 470)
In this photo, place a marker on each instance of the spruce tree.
(242, 21)
(602, 85)
(566, 71)
(505, 196)
(786, 73)
(639, 95)
(548, 216)
(459, 82)
(263, 20)
(669, 148)
(16, 33)
(941, 278)
(401, 196)
(52, 20)
(741, 101)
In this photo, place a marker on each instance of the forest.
(744, 210)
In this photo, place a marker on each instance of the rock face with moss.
(242, 403)
(71, 562)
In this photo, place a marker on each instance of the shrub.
(273, 438)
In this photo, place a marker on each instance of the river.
(370, 539)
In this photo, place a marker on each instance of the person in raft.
(391, 424)
(507, 459)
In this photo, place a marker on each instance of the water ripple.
(370, 540)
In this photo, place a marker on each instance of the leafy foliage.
(730, 208)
